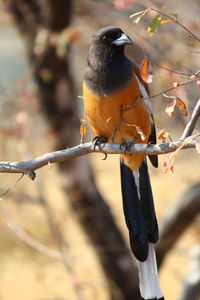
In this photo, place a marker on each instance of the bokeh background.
(63, 235)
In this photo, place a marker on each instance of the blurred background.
(63, 235)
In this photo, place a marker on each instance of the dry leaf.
(146, 70)
(171, 106)
(175, 15)
(182, 106)
(166, 21)
(141, 133)
(163, 135)
(169, 164)
(198, 84)
(138, 130)
(83, 130)
(192, 77)
(197, 73)
(175, 84)
(140, 14)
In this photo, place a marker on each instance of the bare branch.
(177, 85)
(191, 124)
(28, 167)
(177, 22)
(172, 71)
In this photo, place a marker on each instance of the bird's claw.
(126, 146)
(97, 141)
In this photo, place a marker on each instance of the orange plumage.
(117, 117)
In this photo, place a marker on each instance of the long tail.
(142, 225)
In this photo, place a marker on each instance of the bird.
(117, 105)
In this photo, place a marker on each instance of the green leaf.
(155, 24)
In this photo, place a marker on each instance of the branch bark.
(28, 167)
(192, 123)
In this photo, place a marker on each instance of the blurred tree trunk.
(177, 219)
(48, 39)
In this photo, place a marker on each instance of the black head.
(111, 37)
(107, 66)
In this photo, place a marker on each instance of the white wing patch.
(145, 96)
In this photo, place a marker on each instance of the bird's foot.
(97, 141)
(126, 146)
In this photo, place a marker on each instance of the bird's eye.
(106, 38)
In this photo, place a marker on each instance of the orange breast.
(119, 117)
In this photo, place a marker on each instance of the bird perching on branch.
(119, 111)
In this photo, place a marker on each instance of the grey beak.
(122, 40)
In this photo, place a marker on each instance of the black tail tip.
(140, 250)
(154, 235)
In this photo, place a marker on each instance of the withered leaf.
(146, 70)
(83, 130)
(140, 14)
(163, 135)
(171, 106)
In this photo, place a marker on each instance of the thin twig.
(177, 85)
(28, 239)
(177, 22)
(172, 71)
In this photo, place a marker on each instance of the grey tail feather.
(138, 209)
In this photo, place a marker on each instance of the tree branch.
(191, 124)
(28, 167)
